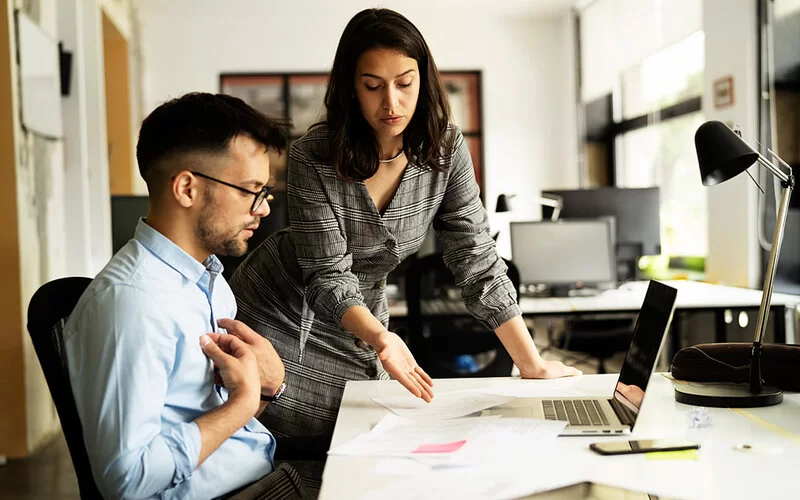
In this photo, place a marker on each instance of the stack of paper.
(444, 405)
(450, 441)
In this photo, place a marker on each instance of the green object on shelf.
(676, 267)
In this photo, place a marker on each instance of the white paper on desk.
(490, 440)
(398, 437)
(500, 439)
(562, 388)
(400, 467)
(443, 406)
(483, 483)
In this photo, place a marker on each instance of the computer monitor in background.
(638, 223)
(565, 255)
(127, 210)
(636, 211)
(125, 214)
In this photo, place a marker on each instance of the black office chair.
(599, 338)
(443, 337)
(48, 311)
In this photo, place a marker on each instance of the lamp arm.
(771, 168)
(756, 382)
(556, 202)
(556, 213)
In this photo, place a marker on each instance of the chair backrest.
(451, 331)
(48, 311)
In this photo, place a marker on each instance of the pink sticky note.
(440, 447)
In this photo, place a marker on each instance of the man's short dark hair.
(203, 123)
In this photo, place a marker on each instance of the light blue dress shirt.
(140, 378)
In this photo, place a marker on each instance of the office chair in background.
(48, 311)
(597, 338)
(443, 337)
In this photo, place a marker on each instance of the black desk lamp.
(723, 155)
(556, 202)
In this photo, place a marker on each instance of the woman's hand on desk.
(550, 369)
(398, 361)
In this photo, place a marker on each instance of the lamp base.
(725, 395)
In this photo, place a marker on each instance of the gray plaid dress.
(294, 288)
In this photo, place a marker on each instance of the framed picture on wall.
(723, 92)
(464, 93)
(306, 101)
(261, 91)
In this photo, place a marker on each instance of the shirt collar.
(173, 255)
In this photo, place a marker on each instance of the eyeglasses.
(260, 196)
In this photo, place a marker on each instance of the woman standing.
(364, 187)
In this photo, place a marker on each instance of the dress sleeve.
(462, 226)
(320, 242)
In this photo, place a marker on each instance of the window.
(668, 77)
(654, 142)
(663, 155)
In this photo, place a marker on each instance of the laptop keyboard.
(575, 411)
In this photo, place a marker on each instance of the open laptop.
(618, 414)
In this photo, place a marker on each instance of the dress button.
(372, 371)
(361, 344)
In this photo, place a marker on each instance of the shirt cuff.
(184, 442)
(500, 317)
(344, 305)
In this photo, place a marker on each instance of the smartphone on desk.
(642, 446)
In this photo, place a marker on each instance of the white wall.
(40, 238)
(61, 186)
(527, 64)
(731, 41)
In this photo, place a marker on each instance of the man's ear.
(185, 189)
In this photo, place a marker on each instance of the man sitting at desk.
(140, 360)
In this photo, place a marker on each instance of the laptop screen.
(648, 334)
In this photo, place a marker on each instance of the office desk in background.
(692, 297)
(768, 471)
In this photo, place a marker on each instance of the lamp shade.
(503, 203)
(721, 153)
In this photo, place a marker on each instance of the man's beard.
(220, 242)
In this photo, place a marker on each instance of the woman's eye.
(404, 85)
(370, 87)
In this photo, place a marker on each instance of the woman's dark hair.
(354, 149)
(202, 123)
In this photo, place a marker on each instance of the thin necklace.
(393, 159)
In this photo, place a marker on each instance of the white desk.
(692, 296)
(721, 472)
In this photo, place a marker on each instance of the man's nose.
(263, 210)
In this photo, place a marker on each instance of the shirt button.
(372, 371)
(361, 344)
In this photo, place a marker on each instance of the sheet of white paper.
(444, 405)
(398, 437)
(498, 440)
(563, 387)
(464, 442)
(485, 484)
(400, 467)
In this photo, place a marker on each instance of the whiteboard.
(40, 79)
